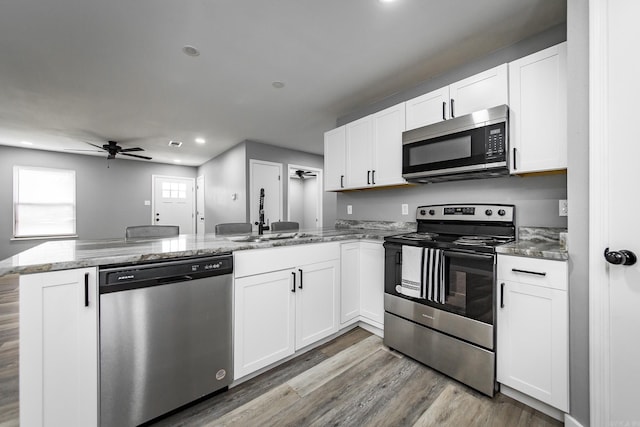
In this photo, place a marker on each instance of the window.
(44, 202)
(174, 190)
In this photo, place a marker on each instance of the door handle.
(373, 177)
(444, 110)
(621, 257)
(300, 270)
(86, 289)
(515, 150)
(368, 177)
(293, 289)
(502, 295)
(341, 181)
(452, 113)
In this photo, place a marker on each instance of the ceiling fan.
(113, 149)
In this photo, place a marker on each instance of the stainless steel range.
(440, 289)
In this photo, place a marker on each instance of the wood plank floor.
(351, 381)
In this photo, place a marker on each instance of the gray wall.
(536, 199)
(107, 199)
(271, 153)
(225, 175)
(578, 191)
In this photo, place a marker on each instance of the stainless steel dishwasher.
(165, 336)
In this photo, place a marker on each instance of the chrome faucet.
(261, 226)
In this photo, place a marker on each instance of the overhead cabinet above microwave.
(478, 92)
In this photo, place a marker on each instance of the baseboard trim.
(569, 421)
(534, 403)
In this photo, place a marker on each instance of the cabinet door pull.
(452, 113)
(341, 181)
(368, 177)
(300, 270)
(86, 289)
(293, 289)
(502, 295)
(373, 177)
(516, 270)
(444, 110)
(515, 167)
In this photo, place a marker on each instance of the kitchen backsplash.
(535, 197)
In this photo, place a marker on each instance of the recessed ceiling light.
(277, 85)
(200, 140)
(386, 1)
(175, 143)
(26, 142)
(191, 51)
(177, 161)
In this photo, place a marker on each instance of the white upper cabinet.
(427, 109)
(359, 153)
(538, 111)
(388, 126)
(374, 149)
(478, 92)
(335, 152)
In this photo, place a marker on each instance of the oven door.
(466, 150)
(469, 282)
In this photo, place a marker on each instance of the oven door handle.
(467, 255)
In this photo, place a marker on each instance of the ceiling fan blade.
(73, 149)
(91, 143)
(131, 149)
(135, 155)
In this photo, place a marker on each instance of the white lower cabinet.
(59, 348)
(362, 293)
(533, 327)
(279, 312)
(372, 282)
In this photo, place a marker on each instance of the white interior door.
(173, 202)
(266, 175)
(200, 204)
(304, 197)
(614, 174)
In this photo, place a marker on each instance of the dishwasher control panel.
(164, 272)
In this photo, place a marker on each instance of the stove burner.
(420, 236)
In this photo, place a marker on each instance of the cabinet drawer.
(534, 271)
(257, 261)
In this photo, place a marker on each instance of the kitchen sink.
(269, 237)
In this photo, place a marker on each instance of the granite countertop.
(537, 242)
(68, 254)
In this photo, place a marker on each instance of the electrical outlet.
(563, 208)
(349, 209)
(405, 209)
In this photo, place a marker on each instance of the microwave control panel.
(496, 141)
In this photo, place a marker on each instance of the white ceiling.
(97, 70)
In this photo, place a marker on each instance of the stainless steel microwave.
(472, 146)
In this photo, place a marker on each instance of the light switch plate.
(563, 208)
(405, 209)
(147, 202)
(349, 209)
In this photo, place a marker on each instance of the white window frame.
(16, 202)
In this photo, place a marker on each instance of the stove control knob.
(502, 212)
(432, 212)
(488, 212)
(423, 212)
